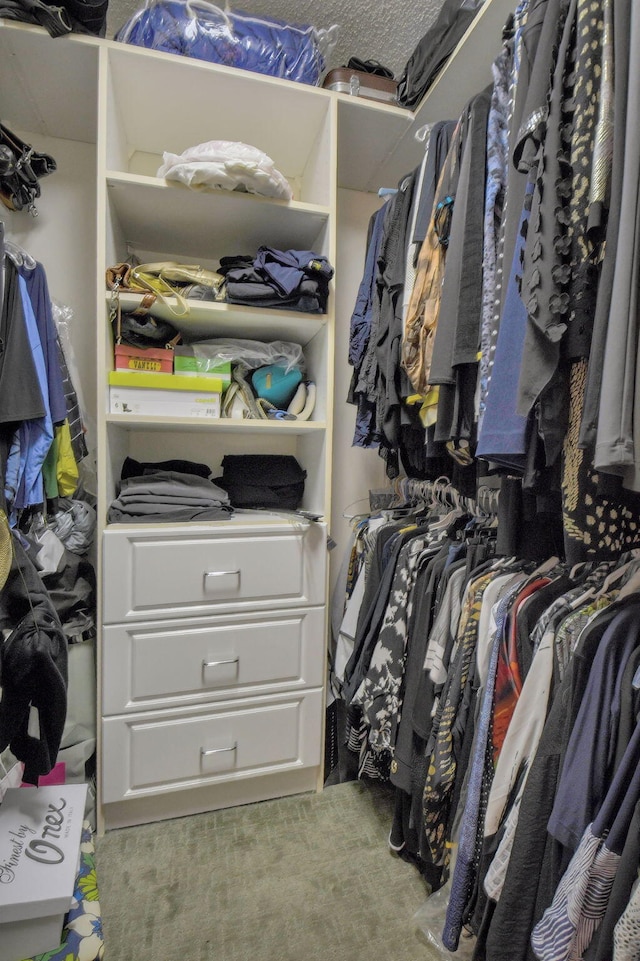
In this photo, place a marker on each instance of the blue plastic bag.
(196, 28)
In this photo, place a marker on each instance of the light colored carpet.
(307, 878)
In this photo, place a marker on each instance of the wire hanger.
(422, 134)
(487, 500)
(358, 514)
(19, 255)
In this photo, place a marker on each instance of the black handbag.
(59, 19)
(87, 16)
(373, 67)
(21, 168)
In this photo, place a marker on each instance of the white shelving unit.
(108, 111)
(264, 739)
(152, 220)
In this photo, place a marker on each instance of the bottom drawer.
(160, 751)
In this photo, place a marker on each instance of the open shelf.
(215, 319)
(155, 215)
(377, 143)
(227, 425)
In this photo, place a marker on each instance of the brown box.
(358, 83)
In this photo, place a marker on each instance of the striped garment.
(566, 928)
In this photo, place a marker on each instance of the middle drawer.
(172, 662)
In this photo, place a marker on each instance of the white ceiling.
(382, 30)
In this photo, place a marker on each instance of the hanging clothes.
(20, 394)
(499, 694)
(525, 716)
(24, 485)
(360, 334)
(49, 594)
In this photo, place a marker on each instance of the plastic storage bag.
(429, 922)
(229, 164)
(196, 28)
(252, 353)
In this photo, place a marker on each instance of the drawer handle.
(208, 574)
(219, 750)
(228, 660)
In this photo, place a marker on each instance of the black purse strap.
(21, 167)
(370, 66)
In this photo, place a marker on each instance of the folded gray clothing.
(158, 507)
(131, 497)
(173, 484)
(177, 515)
(167, 496)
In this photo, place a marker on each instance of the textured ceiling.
(384, 30)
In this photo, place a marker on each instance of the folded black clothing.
(309, 286)
(134, 468)
(268, 481)
(263, 295)
(235, 262)
(245, 273)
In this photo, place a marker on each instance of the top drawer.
(183, 571)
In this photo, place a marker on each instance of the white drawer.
(158, 664)
(189, 571)
(162, 751)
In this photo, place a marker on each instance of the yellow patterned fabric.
(441, 773)
(422, 316)
(6, 549)
(594, 525)
(424, 306)
(66, 468)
